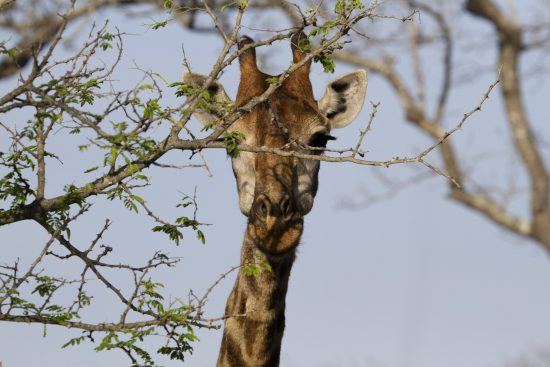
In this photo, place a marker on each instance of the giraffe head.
(275, 192)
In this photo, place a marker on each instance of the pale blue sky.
(412, 281)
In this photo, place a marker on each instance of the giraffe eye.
(320, 140)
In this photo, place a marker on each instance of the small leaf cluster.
(324, 59)
(129, 200)
(232, 140)
(260, 263)
(180, 335)
(45, 287)
(206, 97)
(10, 52)
(106, 41)
(128, 340)
(72, 92)
(174, 230)
(346, 7)
(14, 186)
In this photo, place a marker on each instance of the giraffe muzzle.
(276, 225)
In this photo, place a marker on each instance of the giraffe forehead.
(286, 116)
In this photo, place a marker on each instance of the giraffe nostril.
(286, 207)
(263, 206)
(282, 209)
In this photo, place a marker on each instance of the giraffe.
(275, 192)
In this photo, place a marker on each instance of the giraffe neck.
(256, 308)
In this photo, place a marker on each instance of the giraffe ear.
(344, 98)
(217, 101)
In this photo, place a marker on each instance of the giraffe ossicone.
(275, 192)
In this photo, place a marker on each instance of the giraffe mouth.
(277, 238)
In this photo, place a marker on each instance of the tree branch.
(510, 47)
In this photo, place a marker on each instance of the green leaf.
(208, 125)
(91, 169)
(73, 341)
(106, 45)
(130, 205)
(151, 107)
(272, 80)
(113, 155)
(201, 236)
(162, 24)
(251, 270)
(11, 52)
(266, 266)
